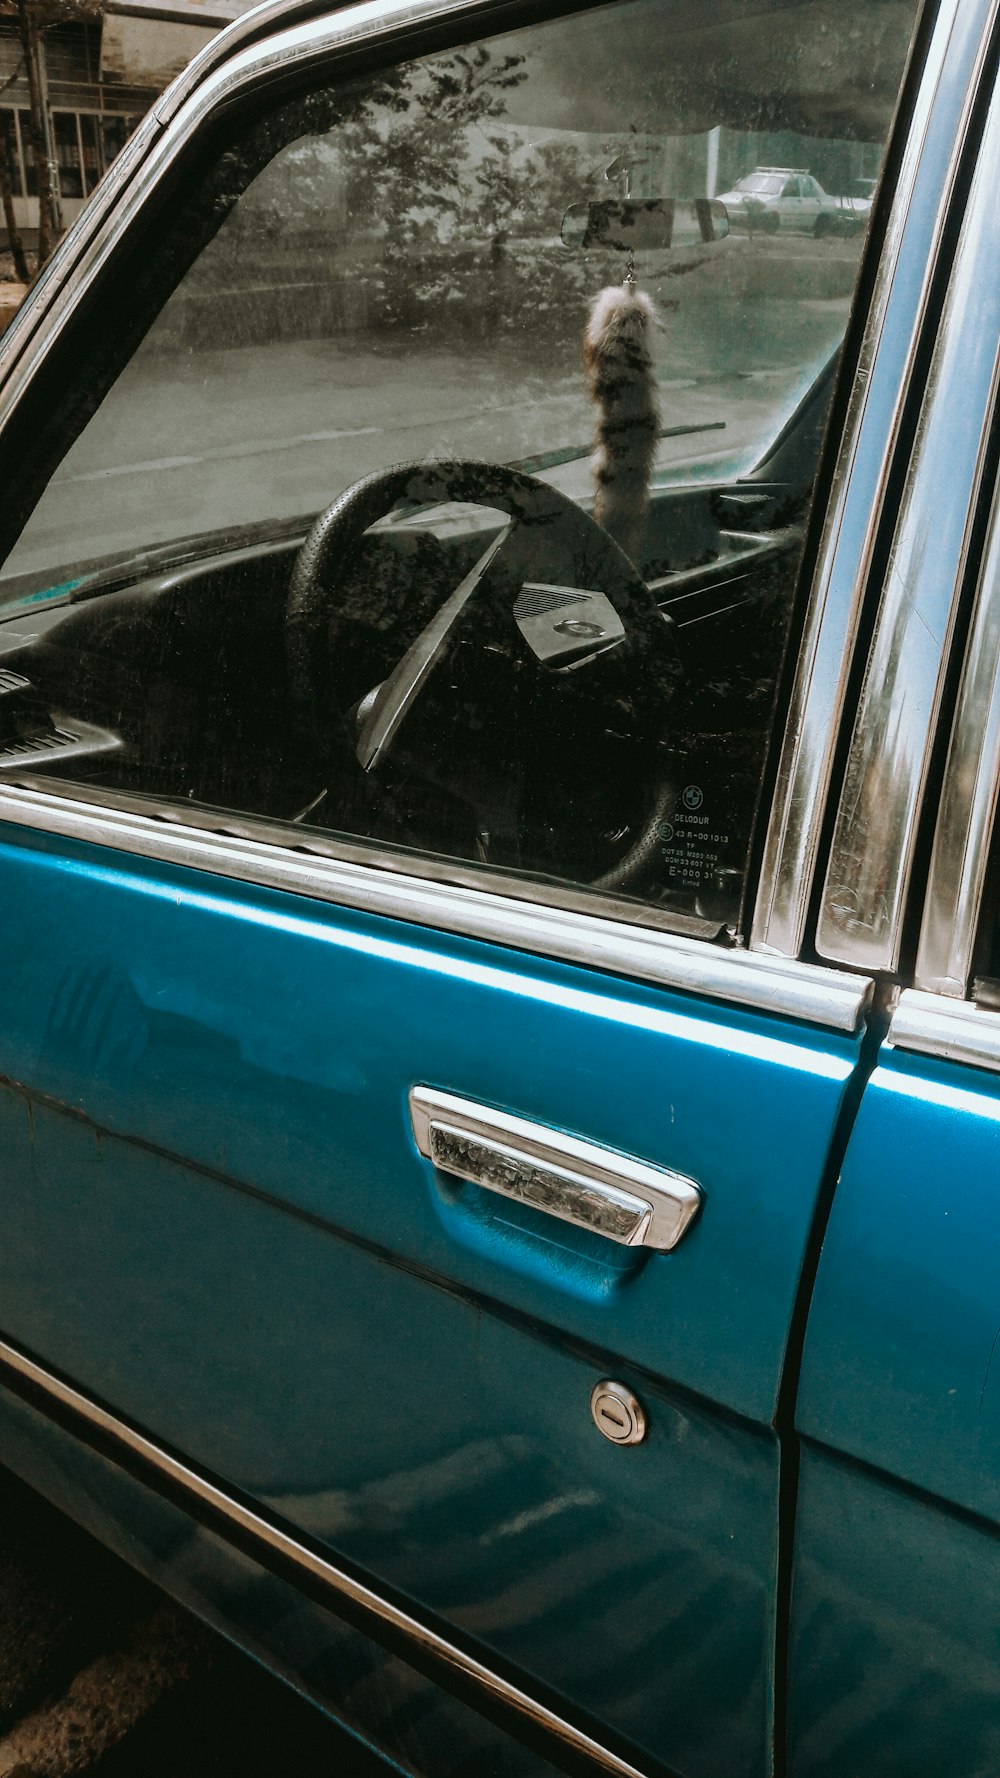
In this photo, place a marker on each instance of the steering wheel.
(587, 662)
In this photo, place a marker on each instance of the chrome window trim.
(875, 838)
(954, 66)
(968, 796)
(456, 873)
(951, 1030)
(830, 998)
(268, 1538)
(275, 15)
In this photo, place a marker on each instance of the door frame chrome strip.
(875, 838)
(967, 810)
(952, 1030)
(360, 20)
(830, 998)
(961, 38)
(23, 1374)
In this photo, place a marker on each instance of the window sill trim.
(779, 986)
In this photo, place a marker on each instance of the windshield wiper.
(99, 575)
(573, 453)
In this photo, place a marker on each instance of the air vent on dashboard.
(63, 739)
(57, 739)
(535, 599)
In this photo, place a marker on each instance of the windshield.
(762, 184)
(377, 274)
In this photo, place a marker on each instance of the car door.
(230, 1035)
(812, 202)
(896, 1575)
(791, 205)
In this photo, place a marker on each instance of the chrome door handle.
(579, 1182)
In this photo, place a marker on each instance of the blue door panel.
(275, 1040)
(216, 1219)
(446, 1449)
(895, 1632)
(902, 1357)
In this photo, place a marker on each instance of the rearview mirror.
(645, 224)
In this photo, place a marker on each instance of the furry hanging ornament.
(617, 349)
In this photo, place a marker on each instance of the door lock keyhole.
(618, 1413)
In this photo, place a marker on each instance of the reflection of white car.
(788, 198)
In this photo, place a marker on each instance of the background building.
(101, 77)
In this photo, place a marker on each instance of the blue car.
(500, 1014)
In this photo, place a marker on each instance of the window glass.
(90, 137)
(68, 154)
(524, 653)
(30, 173)
(9, 140)
(115, 133)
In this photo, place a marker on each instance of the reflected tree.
(454, 212)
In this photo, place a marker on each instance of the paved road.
(196, 439)
(192, 443)
(102, 1677)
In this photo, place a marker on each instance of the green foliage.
(454, 216)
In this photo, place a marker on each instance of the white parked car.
(789, 198)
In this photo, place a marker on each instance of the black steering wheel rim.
(325, 554)
(326, 558)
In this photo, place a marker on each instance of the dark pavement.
(101, 1675)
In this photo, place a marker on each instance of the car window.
(548, 645)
